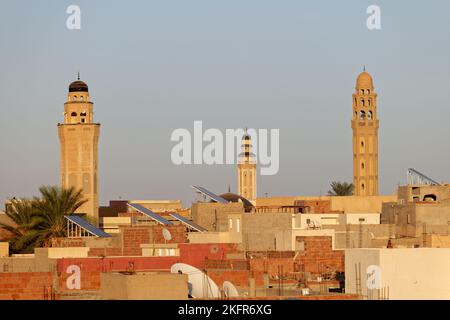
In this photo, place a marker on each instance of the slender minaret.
(247, 170)
(365, 137)
(78, 137)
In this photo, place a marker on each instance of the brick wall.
(25, 285)
(239, 278)
(232, 264)
(133, 237)
(195, 253)
(271, 265)
(318, 256)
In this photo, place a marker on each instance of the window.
(362, 91)
(408, 219)
(308, 221)
(74, 98)
(430, 197)
(238, 225)
(73, 114)
(369, 102)
(362, 219)
(362, 186)
(81, 98)
(368, 91)
(369, 115)
(230, 223)
(83, 114)
(362, 165)
(362, 115)
(362, 102)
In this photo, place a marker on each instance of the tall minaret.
(78, 137)
(247, 170)
(365, 137)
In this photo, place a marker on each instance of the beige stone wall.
(214, 216)
(420, 273)
(209, 237)
(364, 235)
(4, 249)
(286, 240)
(412, 219)
(71, 252)
(417, 193)
(145, 286)
(28, 263)
(260, 229)
(437, 241)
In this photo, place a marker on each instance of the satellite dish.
(230, 290)
(200, 285)
(166, 234)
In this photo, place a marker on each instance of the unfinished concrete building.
(420, 210)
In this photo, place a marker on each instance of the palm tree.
(22, 223)
(341, 189)
(35, 222)
(54, 204)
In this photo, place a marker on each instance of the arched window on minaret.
(369, 115)
(362, 115)
(368, 91)
(362, 91)
(369, 102)
(83, 116)
(363, 102)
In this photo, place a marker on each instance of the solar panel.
(87, 226)
(210, 195)
(187, 222)
(149, 213)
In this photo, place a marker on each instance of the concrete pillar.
(266, 280)
(252, 287)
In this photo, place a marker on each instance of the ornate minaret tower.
(365, 137)
(78, 137)
(247, 170)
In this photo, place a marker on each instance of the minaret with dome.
(247, 170)
(365, 126)
(78, 136)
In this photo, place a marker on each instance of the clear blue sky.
(154, 66)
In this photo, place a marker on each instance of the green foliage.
(37, 221)
(341, 189)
